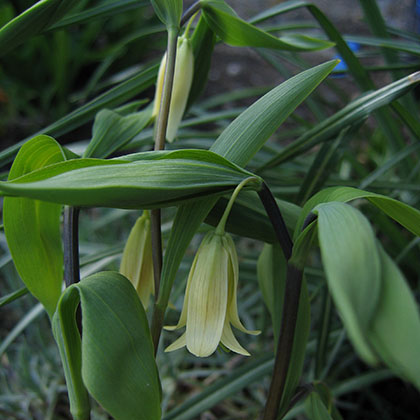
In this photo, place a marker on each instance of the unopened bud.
(183, 77)
(137, 262)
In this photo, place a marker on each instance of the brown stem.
(285, 342)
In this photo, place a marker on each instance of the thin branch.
(285, 342)
(276, 219)
(71, 245)
(160, 135)
(290, 308)
(71, 252)
(190, 13)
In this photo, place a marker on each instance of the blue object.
(342, 66)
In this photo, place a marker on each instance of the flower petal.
(232, 311)
(136, 262)
(229, 340)
(207, 300)
(177, 344)
(183, 318)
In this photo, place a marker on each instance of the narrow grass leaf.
(237, 32)
(353, 113)
(32, 21)
(230, 385)
(32, 227)
(356, 69)
(11, 297)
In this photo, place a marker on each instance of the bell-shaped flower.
(210, 303)
(183, 77)
(137, 262)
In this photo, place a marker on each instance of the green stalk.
(220, 229)
(160, 135)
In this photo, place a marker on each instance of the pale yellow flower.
(137, 262)
(210, 303)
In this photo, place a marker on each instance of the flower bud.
(210, 306)
(137, 262)
(183, 77)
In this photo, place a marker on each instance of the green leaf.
(116, 352)
(202, 41)
(32, 227)
(67, 337)
(399, 45)
(237, 32)
(352, 267)
(238, 143)
(395, 329)
(353, 113)
(248, 132)
(168, 11)
(112, 131)
(154, 179)
(32, 21)
(404, 214)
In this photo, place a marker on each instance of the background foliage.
(360, 129)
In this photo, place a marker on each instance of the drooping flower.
(137, 262)
(183, 77)
(210, 303)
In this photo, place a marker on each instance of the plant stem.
(71, 245)
(190, 12)
(276, 219)
(162, 119)
(285, 342)
(71, 252)
(220, 229)
(290, 307)
(160, 135)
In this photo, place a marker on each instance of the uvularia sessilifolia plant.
(107, 343)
